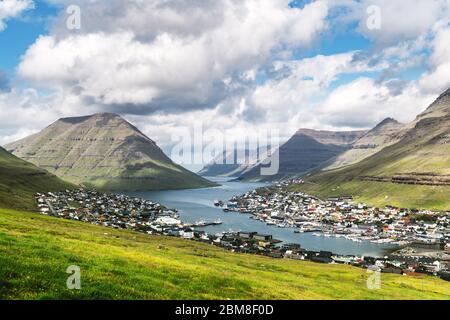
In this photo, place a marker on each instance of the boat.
(200, 223)
(218, 203)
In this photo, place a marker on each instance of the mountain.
(413, 172)
(387, 132)
(20, 181)
(231, 164)
(307, 150)
(106, 152)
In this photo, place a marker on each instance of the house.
(187, 234)
(167, 221)
(275, 254)
(291, 246)
(325, 254)
(262, 237)
(369, 260)
(392, 269)
(321, 259)
(246, 235)
(294, 256)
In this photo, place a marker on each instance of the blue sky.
(22, 33)
(244, 65)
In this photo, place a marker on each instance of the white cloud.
(25, 111)
(169, 68)
(400, 20)
(437, 79)
(11, 9)
(150, 60)
(364, 102)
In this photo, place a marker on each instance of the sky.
(235, 67)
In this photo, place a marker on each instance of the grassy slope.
(380, 193)
(104, 152)
(20, 180)
(36, 250)
(415, 154)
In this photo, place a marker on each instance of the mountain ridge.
(410, 172)
(385, 133)
(305, 151)
(104, 151)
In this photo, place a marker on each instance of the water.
(198, 204)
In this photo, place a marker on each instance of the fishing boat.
(218, 203)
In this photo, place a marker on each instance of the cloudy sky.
(245, 65)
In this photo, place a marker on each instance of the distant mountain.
(231, 164)
(20, 180)
(414, 171)
(307, 150)
(106, 152)
(388, 132)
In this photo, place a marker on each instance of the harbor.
(342, 217)
(200, 204)
(120, 211)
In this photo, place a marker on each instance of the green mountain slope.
(36, 250)
(106, 152)
(386, 133)
(20, 180)
(414, 172)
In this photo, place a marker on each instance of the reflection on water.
(198, 204)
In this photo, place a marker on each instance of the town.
(422, 237)
(342, 217)
(274, 205)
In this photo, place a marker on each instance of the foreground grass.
(35, 252)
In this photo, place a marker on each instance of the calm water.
(198, 204)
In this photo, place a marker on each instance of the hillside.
(307, 150)
(386, 133)
(20, 180)
(36, 250)
(414, 172)
(106, 152)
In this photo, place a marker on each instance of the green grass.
(406, 156)
(20, 180)
(36, 250)
(379, 193)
